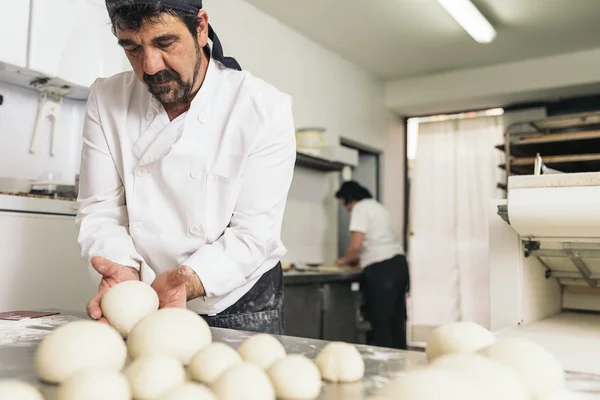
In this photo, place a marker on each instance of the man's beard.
(177, 90)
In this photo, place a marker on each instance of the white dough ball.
(177, 332)
(189, 391)
(340, 362)
(78, 346)
(497, 380)
(95, 385)
(457, 337)
(262, 349)
(210, 362)
(152, 375)
(295, 377)
(125, 304)
(431, 384)
(244, 381)
(540, 371)
(12, 389)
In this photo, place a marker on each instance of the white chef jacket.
(206, 190)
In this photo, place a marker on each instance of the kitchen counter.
(294, 277)
(19, 340)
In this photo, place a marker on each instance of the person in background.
(186, 165)
(375, 246)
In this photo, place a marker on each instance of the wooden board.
(548, 160)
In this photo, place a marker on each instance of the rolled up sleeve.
(253, 235)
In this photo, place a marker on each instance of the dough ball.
(152, 375)
(497, 380)
(540, 371)
(125, 304)
(95, 385)
(244, 381)
(431, 384)
(457, 337)
(177, 332)
(210, 362)
(11, 389)
(262, 349)
(189, 391)
(295, 377)
(340, 362)
(78, 346)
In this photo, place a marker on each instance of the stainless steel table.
(19, 340)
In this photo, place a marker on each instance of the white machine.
(545, 265)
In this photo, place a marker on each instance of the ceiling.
(396, 39)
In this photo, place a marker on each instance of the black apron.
(259, 310)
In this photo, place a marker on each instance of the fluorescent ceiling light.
(469, 17)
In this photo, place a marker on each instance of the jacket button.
(194, 174)
(137, 226)
(142, 171)
(149, 115)
(202, 118)
(195, 230)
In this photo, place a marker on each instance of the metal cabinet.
(326, 310)
(339, 313)
(302, 308)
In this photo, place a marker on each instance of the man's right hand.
(112, 274)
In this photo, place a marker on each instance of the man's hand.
(176, 286)
(112, 274)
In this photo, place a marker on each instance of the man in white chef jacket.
(186, 166)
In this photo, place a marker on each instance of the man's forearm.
(194, 287)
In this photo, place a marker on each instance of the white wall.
(17, 119)
(498, 85)
(328, 91)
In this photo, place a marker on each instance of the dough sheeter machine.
(545, 265)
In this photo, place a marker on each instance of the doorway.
(367, 173)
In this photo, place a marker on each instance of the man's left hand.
(171, 287)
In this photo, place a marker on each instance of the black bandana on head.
(191, 6)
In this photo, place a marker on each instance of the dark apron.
(259, 310)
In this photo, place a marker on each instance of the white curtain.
(453, 179)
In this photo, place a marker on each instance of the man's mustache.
(164, 76)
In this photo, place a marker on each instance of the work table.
(294, 277)
(19, 340)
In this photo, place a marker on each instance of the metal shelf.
(568, 143)
(317, 163)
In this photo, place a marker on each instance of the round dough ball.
(125, 304)
(244, 381)
(189, 391)
(457, 337)
(11, 389)
(78, 346)
(210, 362)
(95, 385)
(262, 349)
(176, 332)
(498, 381)
(152, 375)
(540, 371)
(431, 384)
(340, 362)
(295, 377)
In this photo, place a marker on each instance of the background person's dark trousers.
(385, 285)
